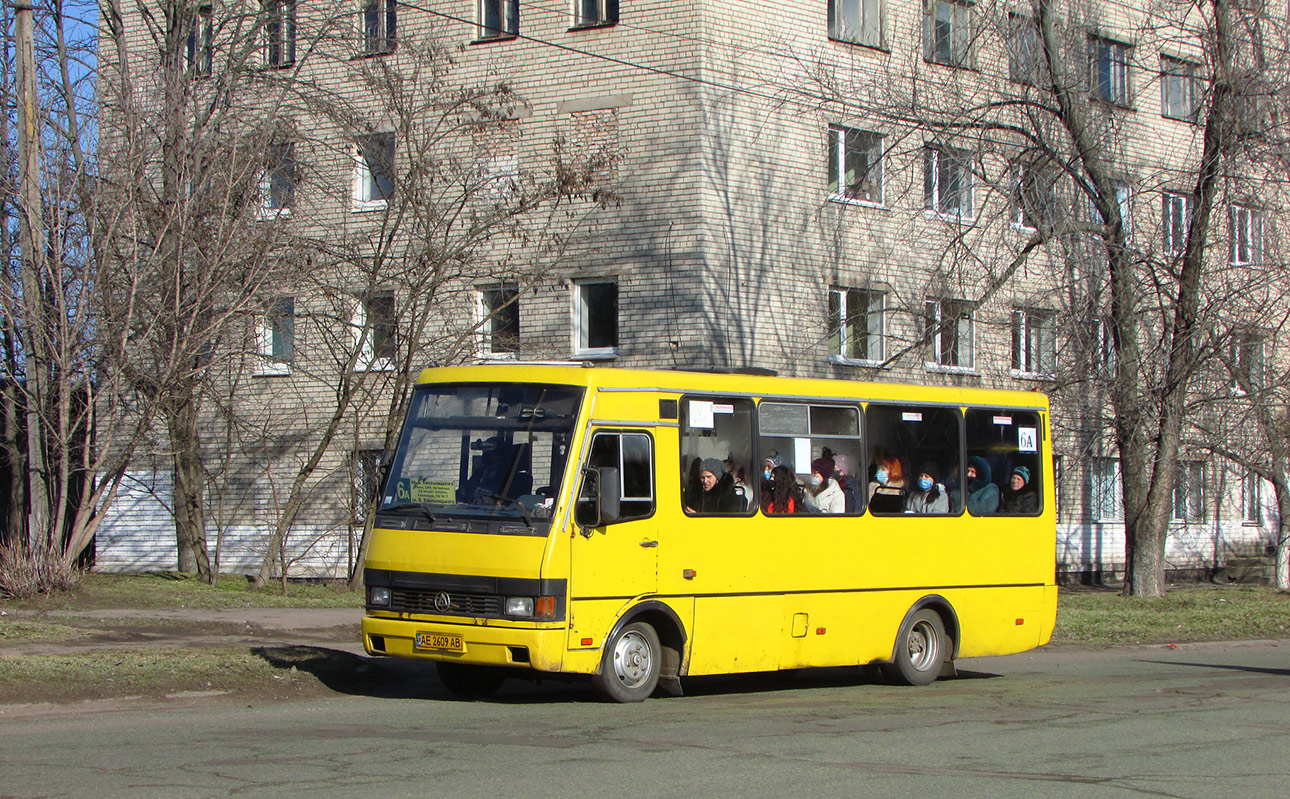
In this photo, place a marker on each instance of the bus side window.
(1003, 448)
(907, 442)
(716, 446)
(802, 436)
(631, 457)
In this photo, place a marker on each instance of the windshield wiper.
(421, 506)
(524, 514)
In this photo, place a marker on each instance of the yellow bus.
(641, 526)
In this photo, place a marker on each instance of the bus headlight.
(378, 596)
(519, 606)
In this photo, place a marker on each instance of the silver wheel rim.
(924, 646)
(633, 659)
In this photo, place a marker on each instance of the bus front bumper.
(486, 645)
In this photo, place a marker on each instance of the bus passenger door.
(616, 561)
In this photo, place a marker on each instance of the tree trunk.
(189, 485)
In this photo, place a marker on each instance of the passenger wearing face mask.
(824, 495)
(928, 496)
(887, 489)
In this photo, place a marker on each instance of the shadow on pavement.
(1251, 669)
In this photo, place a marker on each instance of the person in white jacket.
(824, 495)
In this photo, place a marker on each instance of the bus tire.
(921, 647)
(630, 667)
(469, 682)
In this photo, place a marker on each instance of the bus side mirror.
(598, 500)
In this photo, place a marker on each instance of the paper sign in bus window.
(1027, 439)
(801, 454)
(701, 415)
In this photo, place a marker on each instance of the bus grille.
(416, 600)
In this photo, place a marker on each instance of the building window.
(856, 321)
(1034, 196)
(595, 318)
(280, 32)
(947, 182)
(278, 336)
(1178, 89)
(855, 165)
(1189, 495)
(947, 32)
(1124, 199)
(1176, 218)
(278, 183)
(1252, 499)
(948, 331)
(499, 328)
(1247, 235)
(594, 13)
(374, 171)
(499, 19)
(1025, 53)
(1034, 348)
(1246, 356)
(379, 25)
(1109, 62)
(856, 21)
(374, 332)
(366, 475)
(1106, 493)
(1106, 359)
(199, 44)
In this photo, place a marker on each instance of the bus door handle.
(647, 544)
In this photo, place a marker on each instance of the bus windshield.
(494, 451)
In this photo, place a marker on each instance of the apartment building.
(853, 189)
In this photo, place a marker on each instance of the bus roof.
(725, 383)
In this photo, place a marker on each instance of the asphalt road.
(1206, 720)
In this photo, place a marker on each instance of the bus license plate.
(450, 643)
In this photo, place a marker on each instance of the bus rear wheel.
(630, 667)
(469, 682)
(920, 649)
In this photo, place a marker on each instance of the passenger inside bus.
(844, 473)
(887, 488)
(715, 490)
(927, 495)
(1020, 498)
(824, 494)
(982, 493)
(785, 495)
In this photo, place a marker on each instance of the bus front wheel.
(920, 649)
(630, 667)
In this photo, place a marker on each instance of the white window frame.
(581, 321)
(1034, 343)
(1248, 235)
(507, 15)
(594, 13)
(269, 333)
(1175, 218)
(367, 194)
(1106, 490)
(856, 22)
(948, 32)
(848, 323)
(1109, 70)
(488, 299)
(1252, 499)
(377, 26)
(1033, 185)
(940, 164)
(1105, 348)
(282, 162)
(950, 348)
(1188, 505)
(1179, 89)
(199, 44)
(365, 334)
(279, 33)
(1025, 53)
(843, 143)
